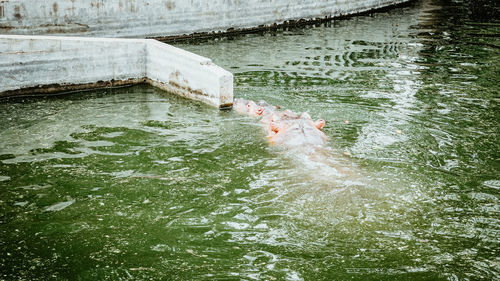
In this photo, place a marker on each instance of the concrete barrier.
(165, 18)
(46, 64)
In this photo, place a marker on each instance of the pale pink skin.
(268, 109)
(284, 127)
(292, 130)
(239, 105)
(247, 107)
(277, 115)
(298, 134)
(320, 124)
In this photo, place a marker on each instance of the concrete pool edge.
(284, 24)
(163, 19)
(32, 65)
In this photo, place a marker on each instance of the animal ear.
(320, 124)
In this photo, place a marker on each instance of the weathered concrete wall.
(164, 18)
(45, 64)
(188, 74)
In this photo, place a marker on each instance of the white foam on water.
(59, 206)
(4, 178)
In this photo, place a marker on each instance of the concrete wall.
(45, 64)
(188, 75)
(164, 18)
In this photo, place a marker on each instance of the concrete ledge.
(166, 18)
(44, 64)
(186, 74)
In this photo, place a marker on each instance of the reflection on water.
(135, 184)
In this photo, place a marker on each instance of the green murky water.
(136, 184)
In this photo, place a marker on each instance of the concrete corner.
(47, 64)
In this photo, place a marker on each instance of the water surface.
(136, 184)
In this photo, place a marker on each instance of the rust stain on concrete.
(17, 13)
(56, 88)
(132, 7)
(170, 5)
(63, 88)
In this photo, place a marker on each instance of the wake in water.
(302, 142)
